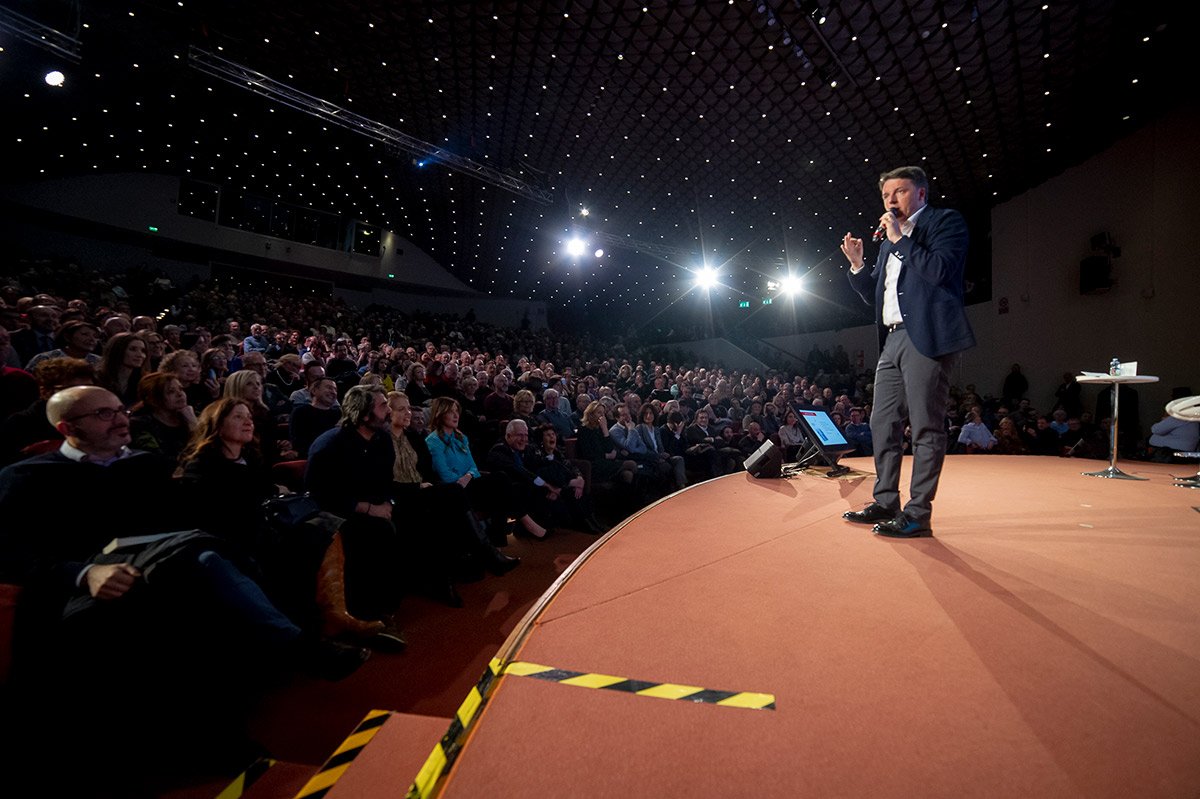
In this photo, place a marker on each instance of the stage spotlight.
(599, 253)
(706, 278)
(55, 79)
(583, 212)
(790, 285)
(576, 247)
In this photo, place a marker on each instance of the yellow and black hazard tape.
(448, 748)
(658, 690)
(243, 781)
(344, 755)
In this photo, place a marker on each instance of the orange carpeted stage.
(1045, 643)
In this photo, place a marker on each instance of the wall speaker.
(766, 461)
(1095, 274)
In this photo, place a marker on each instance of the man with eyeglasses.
(62, 508)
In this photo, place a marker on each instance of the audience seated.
(300, 565)
(18, 389)
(31, 425)
(120, 367)
(707, 450)
(76, 339)
(491, 494)
(162, 421)
(437, 507)
(349, 474)
(650, 434)
(975, 436)
(310, 421)
(557, 414)
(596, 446)
(135, 620)
(419, 512)
(248, 386)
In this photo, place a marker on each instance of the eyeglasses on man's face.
(103, 414)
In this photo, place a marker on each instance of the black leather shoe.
(331, 660)
(469, 569)
(595, 526)
(501, 564)
(445, 593)
(497, 532)
(389, 639)
(870, 514)
(903, 527)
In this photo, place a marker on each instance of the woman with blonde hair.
(523, 404)
(594, 444)
(248, 386)
(420, 493)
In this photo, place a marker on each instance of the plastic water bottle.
(1114, 366)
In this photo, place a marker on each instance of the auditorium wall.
(1140, 191)
(102, 222)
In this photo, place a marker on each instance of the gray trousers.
(909, 386)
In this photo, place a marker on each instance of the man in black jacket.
(169, 621)
(60, 557)
(547, 503)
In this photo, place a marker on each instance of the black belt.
(895, 327)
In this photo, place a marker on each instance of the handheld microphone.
(881, 231)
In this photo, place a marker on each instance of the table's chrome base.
(1114, 473)
(1191, 481)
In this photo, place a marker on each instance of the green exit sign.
(744, 304)
(766, 301)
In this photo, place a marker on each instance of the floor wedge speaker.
(766, 461)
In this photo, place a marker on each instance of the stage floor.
(1046, 642)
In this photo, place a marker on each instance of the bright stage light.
(583, 212)
(576, 247)
(706, 278)
(790, 285)
(55, 79)
(599, 253)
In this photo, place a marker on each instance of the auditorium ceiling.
(745, 134)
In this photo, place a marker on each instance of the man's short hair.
(515, 425)
(357, 404)
(913, 173)
(309, 368)
(71, 328)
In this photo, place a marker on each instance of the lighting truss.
(39, 35)
(260, 84)
(661, 250)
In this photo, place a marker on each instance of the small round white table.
(1115, 380)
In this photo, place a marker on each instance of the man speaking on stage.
(916, 285)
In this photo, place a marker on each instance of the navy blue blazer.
(930, 289)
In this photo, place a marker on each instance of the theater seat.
(41, 447)
(8, 612)
(290, 474)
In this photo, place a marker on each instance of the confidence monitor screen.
(824, 433)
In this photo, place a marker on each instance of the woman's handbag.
(289, 510)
